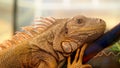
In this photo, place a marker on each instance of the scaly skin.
(50, 48)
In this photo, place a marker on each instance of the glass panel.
(5, 19)
(105, 9)
(25, 13)
(77, 1)
(51, 1)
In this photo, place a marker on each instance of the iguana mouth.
(88, 33)
(91, 28)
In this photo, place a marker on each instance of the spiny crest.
(29, 32)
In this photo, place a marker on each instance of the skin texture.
(50, 47)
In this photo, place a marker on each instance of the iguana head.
(85, 28)
(76, 31)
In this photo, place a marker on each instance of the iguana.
(49, 48)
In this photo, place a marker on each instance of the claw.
(82, 53)
(76, 56)
(86, 66)
(69, 61)
(78, 63)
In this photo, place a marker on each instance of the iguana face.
(76, 31)
(84, 28)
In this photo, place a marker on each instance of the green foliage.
(116, 46)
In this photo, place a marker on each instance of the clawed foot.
(77, 62)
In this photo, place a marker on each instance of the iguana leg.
(78, 63)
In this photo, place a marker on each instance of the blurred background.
(18, 13)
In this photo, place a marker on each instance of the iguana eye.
(79, 21)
